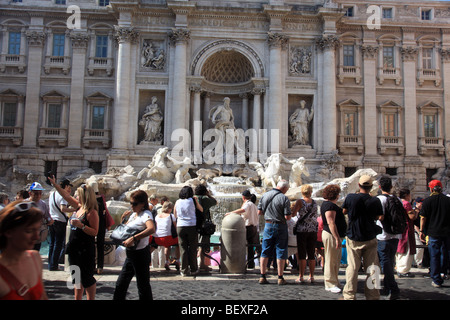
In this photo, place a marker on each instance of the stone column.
(369, 126)
(328, 44)
(80, 41)
(445, 54)
(179, 37)
(409, 56)
(244, 97)
(125, 36)
(196, 129)
(256, 121)
(277, 42)
(36, 39)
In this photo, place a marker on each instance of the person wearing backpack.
(387, 239)
(362, 210)
(435, 223)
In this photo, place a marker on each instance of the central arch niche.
(227, 66)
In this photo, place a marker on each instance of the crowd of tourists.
(383, 235)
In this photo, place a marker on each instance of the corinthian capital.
(79, 39)
(126, 34)
(409, 53)
(35, 38)
(277, 40)
(369, 52)
(330, 42)
(445, 54)
(179, 35)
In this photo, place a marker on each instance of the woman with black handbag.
(138, 251)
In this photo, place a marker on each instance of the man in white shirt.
(59, 211)
(249, 212)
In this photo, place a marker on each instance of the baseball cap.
(65, 182)
(36, 186)
(434, 183)
(365, 181)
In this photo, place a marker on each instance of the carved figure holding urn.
(299, 123)
(151, 122)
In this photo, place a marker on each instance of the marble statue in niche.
(300, 63)
(151, 57)
(222, 116)
(299, 124)
(151, 122)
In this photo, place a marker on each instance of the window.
(58, 44)
(426, 14)
(103, 3)
(14, 43)
(60, 1)
(51, 168)
(17, 1)
(430, 125)
(391, 171)
(427, 58)
(54, 115)
(96, 166)
(101, 46)
(387, 13)
(390, 125)
(349, 12)
(98, 117)
(9, 114)
(349, 56)
(350, 124)
(348, 171)
(388, 57)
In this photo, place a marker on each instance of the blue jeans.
(56, 244)
(386, 255)
(275, 237)
(438, 248)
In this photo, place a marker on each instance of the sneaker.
(406, 275)
(435, 285)
(281, 282)
(263, 280)
(334, 290)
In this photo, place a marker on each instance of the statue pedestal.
(305, 151)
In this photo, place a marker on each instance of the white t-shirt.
(54, 212)
(251, 213)
(164, 226)
(384, 235)
(138, 221)
(185, 212)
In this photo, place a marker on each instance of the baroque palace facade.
(78, 79)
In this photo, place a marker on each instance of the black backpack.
(394, 221)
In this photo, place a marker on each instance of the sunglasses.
(134, 203)
(24, 206)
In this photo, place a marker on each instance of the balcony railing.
(57, 62)
(431, 144)
(52, 135)
(94, 137)
(392, 143)
(12, 60)
(13, 134)
(347, 142)
(105, 64)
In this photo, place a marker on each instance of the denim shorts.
(275, 240)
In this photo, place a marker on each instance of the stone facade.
(75, 81)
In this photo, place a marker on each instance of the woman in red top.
(20, 266)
